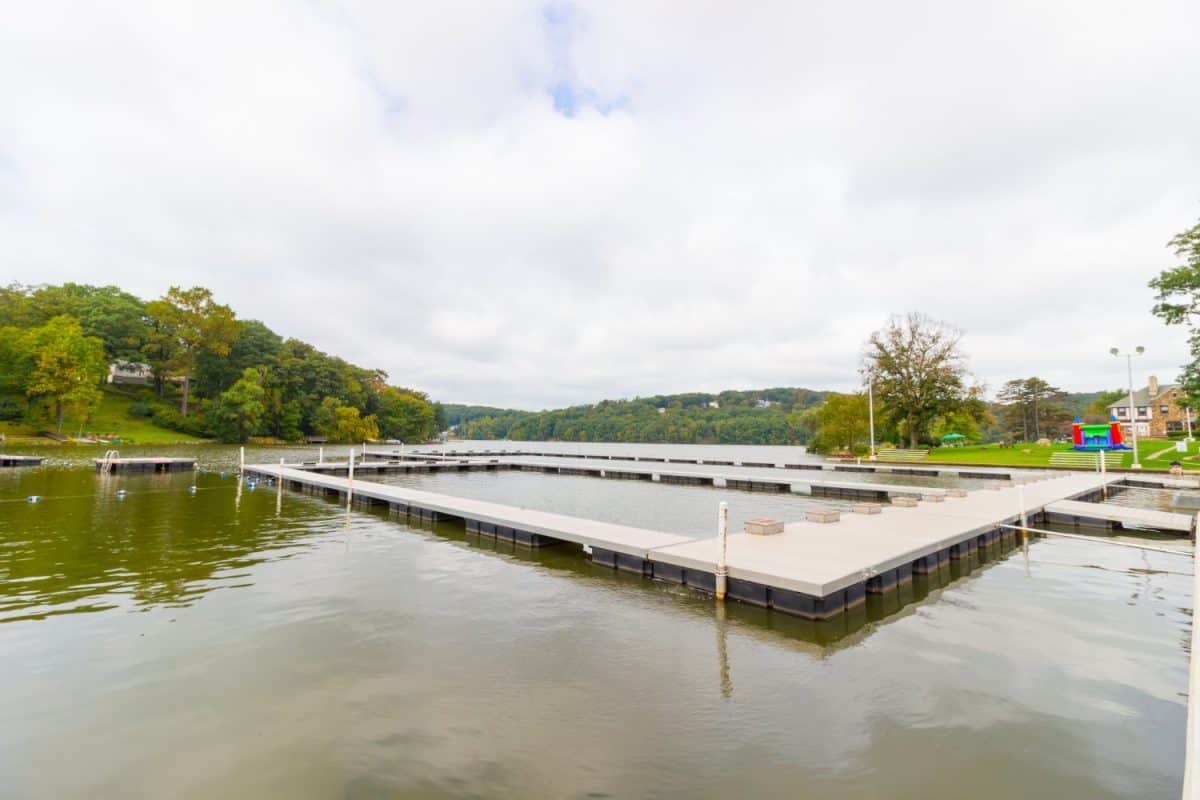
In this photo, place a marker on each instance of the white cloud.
(731, 198)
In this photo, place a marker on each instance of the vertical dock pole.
(279, 489)
(320, 455)
(723, 536)
(1191, 752)
(350, 481)
(1103, 475)
(1024, 518)
(241, 462)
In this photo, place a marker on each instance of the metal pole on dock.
(871, 413)
(241, 462)
(1024, 518)
(350, 481)
(320, 455)
(723, 535)
(279, 490)
(1103, 475)
(1191, 784)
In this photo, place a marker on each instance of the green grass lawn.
(1032, 455)
(109, 419)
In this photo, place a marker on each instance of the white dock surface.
(1128, 516)
(819, 559)
(808, 557)
(799, 479)
(619, 538)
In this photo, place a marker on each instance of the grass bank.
(1154, 454)
(109, 420)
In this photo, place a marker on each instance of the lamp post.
(1139, 350)
(871, 412)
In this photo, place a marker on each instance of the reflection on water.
(285, 648)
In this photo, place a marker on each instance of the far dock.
(19, 461)
(147, 464)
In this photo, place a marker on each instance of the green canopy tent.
(955, 439)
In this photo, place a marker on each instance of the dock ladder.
(109, 457)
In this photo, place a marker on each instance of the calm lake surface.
(226, 644)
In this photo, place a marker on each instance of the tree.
(1104, 401)
(1031, 405)
(342, 423)
(843, 422)
(1178, 303)
(63, 366)
(187, 324)
(236, 415)
(405, 415)
(918, 370)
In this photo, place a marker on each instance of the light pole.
(871, 412)
(1139, 350)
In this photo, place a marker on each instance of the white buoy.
(34, 498)
(723, 536)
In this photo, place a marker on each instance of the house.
(1155, 410)
(764, 403)
(130, 372)
(713, 404)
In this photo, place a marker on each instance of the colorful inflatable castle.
(1098, 436)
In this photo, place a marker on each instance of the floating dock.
(19, 461)
(892, 468)
(1105, 515)
(748, 479)
(149, 464)
(815, 570)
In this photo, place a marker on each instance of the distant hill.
(757, 416)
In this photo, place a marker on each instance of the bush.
(168, 417)
(140, 408)
(11, 409)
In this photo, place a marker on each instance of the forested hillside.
(765, 416)
(209, 373)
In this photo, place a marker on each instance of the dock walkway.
(8, 460)
(1106, 515)
(815, 570)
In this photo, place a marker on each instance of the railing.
(109, 457)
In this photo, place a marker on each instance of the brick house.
(1155, 411)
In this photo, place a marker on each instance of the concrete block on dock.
(956, 493)
(822, 515)
(933, 498)
(904, 501)
(764, 526)
(867, 508)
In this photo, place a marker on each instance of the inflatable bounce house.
(1099, 436)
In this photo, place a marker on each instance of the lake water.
(171, 644)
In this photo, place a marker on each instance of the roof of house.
(1142, 396)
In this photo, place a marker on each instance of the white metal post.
(871, 413)
(241, 461)
(279, 489)
(1133, 419)
(1024, 518)
(320, 455)
(350, 481)
(1188, 417)
(723, 536)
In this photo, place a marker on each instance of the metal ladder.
(109, 456)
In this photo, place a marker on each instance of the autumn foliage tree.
(919, 372)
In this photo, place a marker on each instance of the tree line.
(766, 416)
(211, 373)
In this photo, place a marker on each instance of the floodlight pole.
(871, 412)
(1139, 350)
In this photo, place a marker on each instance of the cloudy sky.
(535, 204)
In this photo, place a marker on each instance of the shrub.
(11, 409)
(140, 408)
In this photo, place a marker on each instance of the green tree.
(843, 423)
(236, 415)
(405, 415)
(188, 323)
(1032, 406)
(1178, 293)
(63, 367)
(919, 372)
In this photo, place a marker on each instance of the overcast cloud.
(535, 204)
